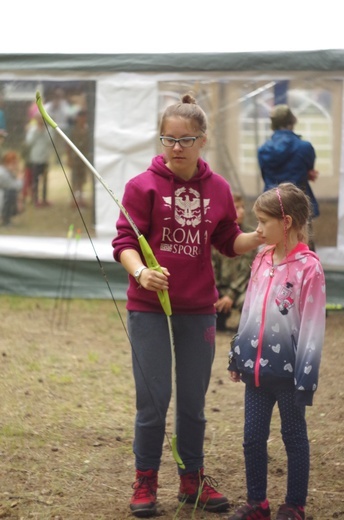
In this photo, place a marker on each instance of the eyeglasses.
(185, 142)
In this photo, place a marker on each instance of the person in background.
(59, 110)
(232, 274)
(286, 157)
(3, 135)
(3, 125)
(183, 209)
(38, 155)
(80, 136)
(11, 184)
(277, 350)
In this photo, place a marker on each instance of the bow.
(146, 250)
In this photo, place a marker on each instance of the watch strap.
(138, 273)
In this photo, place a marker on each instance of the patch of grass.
(67, 418)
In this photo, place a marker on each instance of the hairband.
(280, 202)
(285, 231)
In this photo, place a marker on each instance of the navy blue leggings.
(259, 404)
(194, 337)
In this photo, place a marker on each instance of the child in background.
(80, 136)
(277, 350)
(38, 155)
(232, 274)
(11, 184)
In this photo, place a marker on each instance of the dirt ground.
(67, 411)
(67, 404)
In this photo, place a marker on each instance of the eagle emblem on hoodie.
(187, 203)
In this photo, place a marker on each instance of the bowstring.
(101, 267)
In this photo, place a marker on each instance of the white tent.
(126, 93)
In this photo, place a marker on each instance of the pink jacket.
(282, 326)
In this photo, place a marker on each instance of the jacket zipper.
(261, 332)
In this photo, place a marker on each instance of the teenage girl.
(183, 209)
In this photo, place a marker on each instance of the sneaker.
(199, 488)
(252, 511)
(143, 501)
(290, 512)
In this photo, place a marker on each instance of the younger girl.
(278, 347)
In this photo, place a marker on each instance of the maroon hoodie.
(181, 220)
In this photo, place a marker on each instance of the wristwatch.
(138, 272)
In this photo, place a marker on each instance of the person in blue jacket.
(286, 157)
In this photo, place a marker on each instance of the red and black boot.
(290, 512)
(143, 501)
(197, 488)
(252, 510)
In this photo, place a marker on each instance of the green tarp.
(59, 278)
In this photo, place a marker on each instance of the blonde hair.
(9, 157)
(287, 199)
(187, 108)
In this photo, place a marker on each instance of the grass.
(67, 411)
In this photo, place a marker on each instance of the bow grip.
(152, 263)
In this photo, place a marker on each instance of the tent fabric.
(56, 247)
(125, 132)
(60, 268)
(320, 60)
(62, 278)
(56, 268)
(70, 278)
(124, 140)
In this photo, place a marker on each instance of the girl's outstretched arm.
(247, 241)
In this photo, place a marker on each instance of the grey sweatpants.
(194, 339)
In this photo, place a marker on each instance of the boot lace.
(207, 486)
(143, 487)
